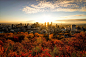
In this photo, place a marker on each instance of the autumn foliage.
(22, 44)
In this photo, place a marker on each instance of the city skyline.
(30, 11)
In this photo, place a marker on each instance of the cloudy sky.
(30, 11)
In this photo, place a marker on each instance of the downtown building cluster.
(46, 28)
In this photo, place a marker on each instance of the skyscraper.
(51, 23)
(73, 27)
(21, 24)
(12, 26)
(36, 22)
(47, 24)
(27, 24)
(56, 25)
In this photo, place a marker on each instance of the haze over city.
(30, 11)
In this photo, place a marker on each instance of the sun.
(46, 18)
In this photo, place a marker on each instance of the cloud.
(55, 6)
(72, 20)
(31, 21)
(83, 9)
(80, 15)
(63, 0)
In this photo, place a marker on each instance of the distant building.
(56, 26)
(68, 28)
(29, 26)
(73, 27)
(47, 24)
(25, 25)
(43, 31)
(36, 22)
(51, 23)
(20, 24)
(12, 26)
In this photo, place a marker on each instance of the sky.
(30, 11)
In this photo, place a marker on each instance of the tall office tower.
(12, 26)
(20, 24)
(27, 24)
(36, 22)
(56, 25)
(73, 27)
(47, 24)
(51, 23)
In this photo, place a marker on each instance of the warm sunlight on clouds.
(12, 21)
(31, 11)
(30, 21)
(81, 15)
(55, 6)
(72, 21)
